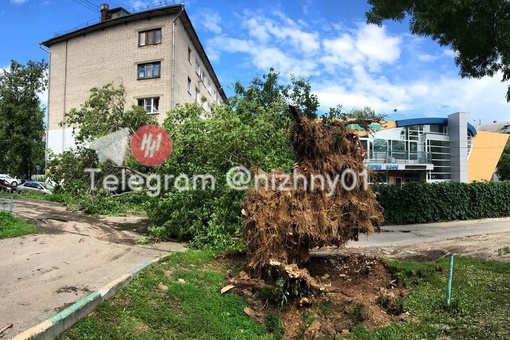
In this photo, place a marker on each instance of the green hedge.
(419, 202)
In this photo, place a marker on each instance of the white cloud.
(450, 53)
(283, 31)
(369, 45)
(43, 97)
(307, 5)
(362, 66)
(138, 4)
(18, 2)
(210, 20)
(377, 46)
(482, 98)
(425, 57)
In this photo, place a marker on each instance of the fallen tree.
(328, 202)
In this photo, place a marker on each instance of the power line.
(87, 5)
(154, 5)
(91, 3)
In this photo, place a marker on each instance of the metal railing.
(7, 203)
(399, 157)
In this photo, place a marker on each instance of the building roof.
(501, 127)
(430, 121)
(151, 13)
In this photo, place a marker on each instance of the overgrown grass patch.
(178, 298)
(479, 306)
(11, 226)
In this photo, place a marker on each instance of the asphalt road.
(420, 233)
(72, 255)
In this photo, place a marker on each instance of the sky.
(348, 62)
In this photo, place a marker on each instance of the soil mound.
(358, 289)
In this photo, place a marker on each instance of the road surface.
(72, 255)
(418, 233)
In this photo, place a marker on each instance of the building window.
(152, 37)
(151, 70)
(198, 69)
(189, 55)
(189, 85)
(207, 84)
(206, 106)
(198, 97)
(151, 105)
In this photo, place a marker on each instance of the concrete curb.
(56, 325)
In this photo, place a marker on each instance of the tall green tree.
(478, 30)
(269, 92)
(21, 117)
(503, 168)
(103, 113)
(366, 113)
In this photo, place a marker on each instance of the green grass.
(504, 251)
(42, 197)
(480, 307)
(178, 298)
(11, 226)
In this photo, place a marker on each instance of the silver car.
(35, 187)
(11, 181)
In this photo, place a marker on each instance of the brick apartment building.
(155, 54)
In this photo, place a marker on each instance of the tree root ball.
(326, 201)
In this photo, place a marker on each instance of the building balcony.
(383, 160)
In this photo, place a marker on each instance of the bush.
(419, 202)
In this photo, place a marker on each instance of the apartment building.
(156, 54)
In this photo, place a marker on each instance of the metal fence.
(7, 203)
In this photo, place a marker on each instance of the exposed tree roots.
(326, 201)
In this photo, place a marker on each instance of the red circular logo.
(151, 145)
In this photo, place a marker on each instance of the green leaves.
(503, 168)
(21, 117)
(419, 202)
(104, 113)
(253, 132)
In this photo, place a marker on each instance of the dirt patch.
(72, 289)
(358, 289)
(54, 219)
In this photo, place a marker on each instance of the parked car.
(4, 186)
(21, 179)
(11, 181)
(35, 187)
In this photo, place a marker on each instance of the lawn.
(179, 298)
(479, 309)
(11, 226)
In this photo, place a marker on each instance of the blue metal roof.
(430, 121)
